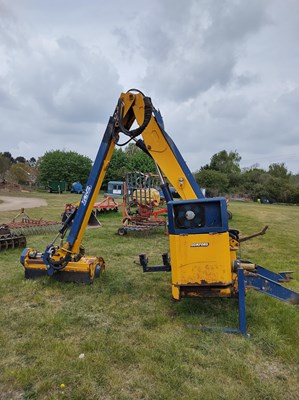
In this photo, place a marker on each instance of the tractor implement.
(106, 205)
(22, 224)
(203, 248)
(38, 265)
(138, 207)
(9, 239)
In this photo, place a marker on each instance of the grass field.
(123, 338)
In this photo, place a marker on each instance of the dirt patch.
(9, 187)
(16, 203)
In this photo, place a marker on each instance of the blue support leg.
(242, 303)
(242, 309)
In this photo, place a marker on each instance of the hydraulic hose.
(148, 110)
(54, 265)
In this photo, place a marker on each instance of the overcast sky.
(224, 74)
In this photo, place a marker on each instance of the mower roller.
(9, 239)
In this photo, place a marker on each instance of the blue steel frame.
(179, 157)
(271, 288)
(242, 307)
(92, 181)
(211, 207)
(263, 284)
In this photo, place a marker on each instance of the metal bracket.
(271, 287)
(166, 267)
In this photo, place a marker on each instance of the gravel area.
(16, 203)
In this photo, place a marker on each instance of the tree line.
(17, 170)
(221, 177)
(69, 166)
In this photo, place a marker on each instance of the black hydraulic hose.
(125, 143)
(54, 265)
(148, 110)
(59, 265)
(67, 223)
(140, 144)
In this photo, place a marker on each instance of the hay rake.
(22, 224)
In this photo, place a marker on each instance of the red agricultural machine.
(141, 200)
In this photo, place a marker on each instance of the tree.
(8, 155)
(67, 166)
(20, 159)
(32, 162)
(281, 190)
(255, 182)
(118, 166)
(236, 180)
(223, 175)
(132, 159)
(140, 161)
(279, 170)
(22, 174)
(225, 162)
(215, 182)
(4, 165)
(131, 150)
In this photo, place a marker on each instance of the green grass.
(137, 343)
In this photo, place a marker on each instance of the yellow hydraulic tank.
(200, 261)
(200, 251)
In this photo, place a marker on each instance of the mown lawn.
(123, 337)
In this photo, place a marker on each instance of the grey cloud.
(198, 47)
(10, 32)
(66, 80)
(246, 79)
(223, 73)
(181, 80)
(260, 131)
(290, 99)
(234, 108)
(232, 21)
(6, 99)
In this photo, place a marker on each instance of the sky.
(224, 74)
